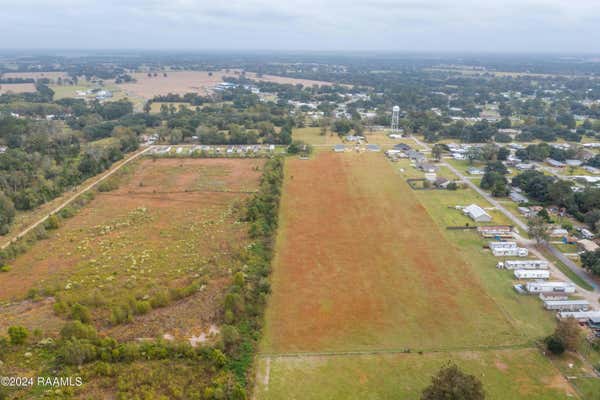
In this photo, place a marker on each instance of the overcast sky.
(559, 26)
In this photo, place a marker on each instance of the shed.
(477, 213)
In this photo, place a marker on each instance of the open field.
(521, 374)
(312, 135)
(287, 80)
(345, 284)
(17, 88)
(368, 269)
(177, 82)
(170, 224)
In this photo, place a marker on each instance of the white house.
(477, 213)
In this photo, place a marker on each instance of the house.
(553, 286)
(426, 167)
(492, 231)
(592, 170)
(459, 156)
(477, 213)
(559, 232)
(339, 148)
(586, 234)
(518, 197)
(555, 163)
(566, 305)
(574, 163)
(523, 264)
(373, 147)
(402, 147)
(441, 182)
(587, 245)
(531, 273)
(415, 155)
(524, 166)
(475, 171)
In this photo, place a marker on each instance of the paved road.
(79, 192)
(529, 243)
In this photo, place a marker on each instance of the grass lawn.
(521, 374)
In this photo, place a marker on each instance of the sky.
(529, 26)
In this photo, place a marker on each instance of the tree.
(538, 228)
(555, 345)
(452, 384)
(569, 332)
(437, 151)
(7, 213)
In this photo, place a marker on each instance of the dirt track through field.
(361, 265)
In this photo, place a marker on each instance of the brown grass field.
(287, 80)
(177, 82)
(170, 223)
(17, 88)
(360, 264)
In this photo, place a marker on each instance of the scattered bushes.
(17, 334)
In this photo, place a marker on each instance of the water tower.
(395, 119)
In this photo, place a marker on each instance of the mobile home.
(510, 252)
(544, 287)
(532, 274)
(567, 305)
(581, 316)
(523, 264)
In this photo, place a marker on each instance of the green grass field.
(521, 374)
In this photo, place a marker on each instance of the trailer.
(550, 287)
(502, 245)
(567, 305)
(532, 274)
(553, 296)
(580, 316)
(511, 252)
(523, 264)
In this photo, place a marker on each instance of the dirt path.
(78, 193)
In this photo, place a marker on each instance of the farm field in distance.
(171, 223)
(370, 267)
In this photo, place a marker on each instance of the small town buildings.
(566, 305)
(523, 264)
(477, 213)
(339, 148)
(531, 274)
(426, 167)
(573, 163)
(525, 166)
(547, 287)
(559, 232)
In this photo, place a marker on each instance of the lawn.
(380, 273)
(521, 374)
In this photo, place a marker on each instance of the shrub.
(120, 315)
(555, 345)
(78, 330)
(142, 307)
(52, 222)
(76, 352)
(17, 334)
(80, 313)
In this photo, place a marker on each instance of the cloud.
(394, 25)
